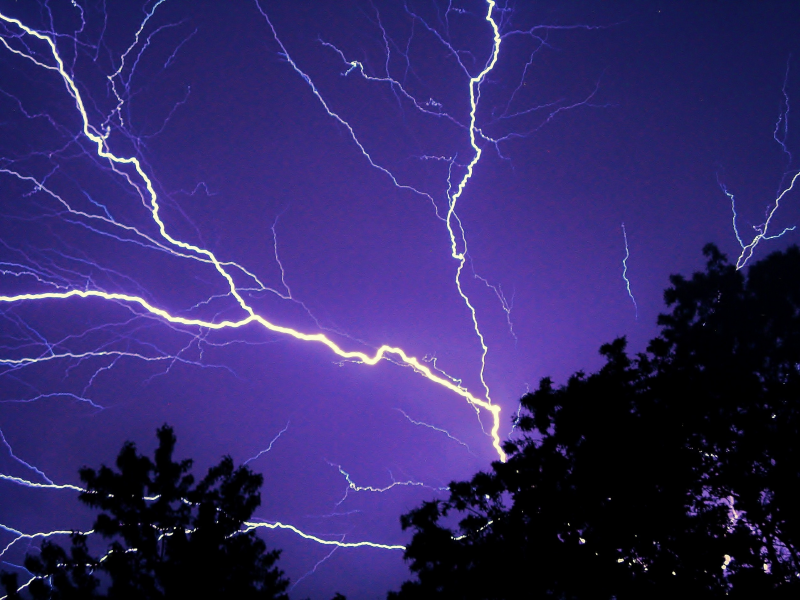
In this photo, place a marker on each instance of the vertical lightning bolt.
(780, 135)
(781, 131)
(625, 271)
(452, 219)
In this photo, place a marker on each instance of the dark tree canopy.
(170, 539)
(671, 474)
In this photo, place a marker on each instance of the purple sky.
(602, 113)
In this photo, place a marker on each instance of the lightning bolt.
(65, 285)
(248, 526)
(268, 448)
(315, 567)
(625, 271)
(99, 139)
(351, 486)
(439, 429)
(132, 170)
(762, 231)
(461, 255)
(779, 134)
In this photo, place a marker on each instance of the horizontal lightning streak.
(368, 488)
(248, 526)
(79, 355)
(33, 484)
(307, 337)
(103, 152)
(33, 536)
(351, 485)
(278, 525)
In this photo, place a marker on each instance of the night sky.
(314, 149)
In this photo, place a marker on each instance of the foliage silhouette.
(170, 538)
(675, 473)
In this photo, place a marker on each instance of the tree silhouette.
(170, 538)
(675, 473)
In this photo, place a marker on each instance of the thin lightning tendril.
(275, 439)
(352, 486)
(22, 462)
(780, 135)
(103, 151)
(625, 271)
(439, 429)
(247, 526)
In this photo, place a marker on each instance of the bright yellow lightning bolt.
(307, 337)
(102, 151)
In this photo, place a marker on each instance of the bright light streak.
(249, 526)
(779, 134)
(254, 318)
(134, 174)
(22, 587)
(461, 256)
(625, 271)
(761, 230)
(32, 484)
(515, 420)
(103, 151)
(33, 536)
